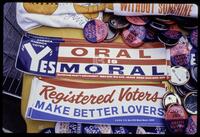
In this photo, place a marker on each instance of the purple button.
(95, 31)
(190, 103)
(180, 53)
(194, 38)
(169, 37)
(192, 125)
(136, 20)
(176, 118)
(134, 36)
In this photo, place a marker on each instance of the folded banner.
(72, 58)
(115, 104)
(74, 15)
(139, 9)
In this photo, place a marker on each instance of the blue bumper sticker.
(38, 57)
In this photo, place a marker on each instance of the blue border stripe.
(38, 115)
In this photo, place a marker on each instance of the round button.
(193, 71)
(187, 23)
(95, 31)
(192, 125)
(182, 90)
(134, 36)
(165, 20)
(169, 37)
(194, 38)
(112, 34)
(179, 54)
(179, 75)
(190, 86)
(176, 118)
(190, 103)
(138, 20)
(150, 35)
(157, 26)
(170, 98)
(118, 22)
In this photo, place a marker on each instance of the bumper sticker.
(72, 58)
(114, 104)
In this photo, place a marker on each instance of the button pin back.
(95, 31)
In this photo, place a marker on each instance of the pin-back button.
(95, 31)
(176, 118)
(118, 22)
(191, 86)
(112, 34)
(134, 36)
(170, 37)
(186, 23)
(190, 103)
(150, 35)
(165, 19)
(192, 125)
(157, 26)
(193, 71)
(193, 38)
(179, 54)
(138, 20)
(179, 75)
(170, 98)
(182, 90)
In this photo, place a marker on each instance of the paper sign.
(115, 104)
(52, 57)
(138, 9)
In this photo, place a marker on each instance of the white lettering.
(52, 67)
(36, 57)
(193, 59)
(43, 66)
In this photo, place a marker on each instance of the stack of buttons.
(180, 53)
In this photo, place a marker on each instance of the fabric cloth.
(73, 15)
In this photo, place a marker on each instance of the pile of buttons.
(135, 30)
(180, 35)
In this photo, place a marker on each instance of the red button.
(176, 118)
